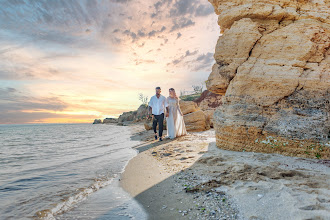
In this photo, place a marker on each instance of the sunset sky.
(64, 61)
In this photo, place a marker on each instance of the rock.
(209, 116)
(148, 125)
(188, 107)
(208, 102)
(196, 121)
(97, 121)
(110, 120)
(138, 115)
(273, 68)
(142, 112)
(127, 116)
(232, 49)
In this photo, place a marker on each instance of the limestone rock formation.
(110, 120)
(97, 121)
(194, 118)
(134, 116)
(208, 102)
(141, 112)
(127, 116)
(188, 107)
(273, 68)
(196, 121)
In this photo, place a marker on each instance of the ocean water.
(52, 170)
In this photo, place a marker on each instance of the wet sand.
(191, 178)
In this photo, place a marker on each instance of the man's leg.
(161, 122)
(154, 125)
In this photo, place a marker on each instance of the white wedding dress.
(175, 123)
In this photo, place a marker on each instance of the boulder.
(188, 107)
(196, 121)
(97, 121)
(136, 116)
(141, 112)
(127, 116)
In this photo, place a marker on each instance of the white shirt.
(158, 105)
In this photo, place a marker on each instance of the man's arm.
(150, 108)
(166, 106)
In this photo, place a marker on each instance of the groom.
(157, 107)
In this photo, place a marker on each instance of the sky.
(71, 61)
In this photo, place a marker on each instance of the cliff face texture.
(273, 70)
(208, 102)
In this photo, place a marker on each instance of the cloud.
(181, 23)
(190, 7)
(63, 48)
(140, 61)
(183, 7)
(130, 34)
(181, 58)
(121, 1)
(204, 62)
(154, 32)
(204, 10)
(159, 4)
(14, 100)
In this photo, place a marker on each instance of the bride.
(175, 124)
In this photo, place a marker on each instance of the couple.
(174, 117)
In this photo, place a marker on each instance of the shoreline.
(110, 201)
(191, 178)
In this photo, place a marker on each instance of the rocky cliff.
(208, 102)
(134, 116)
(272, 64)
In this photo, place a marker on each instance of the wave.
(81, 195)
(69, 203)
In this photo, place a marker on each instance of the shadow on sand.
(148, 141)
(200, 190)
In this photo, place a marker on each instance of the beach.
(190, 178)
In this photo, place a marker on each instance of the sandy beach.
(191, 178)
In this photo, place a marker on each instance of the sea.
(65, 171)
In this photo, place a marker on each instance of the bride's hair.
(175, 96)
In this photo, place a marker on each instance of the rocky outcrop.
(105, 121)
(134, 116)
(110, 120)
(194, 118)
(208, 102)
(196, 121)
(97, 121)
(188, 107)
(141, 112)
(127, 116)
(273, 68)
